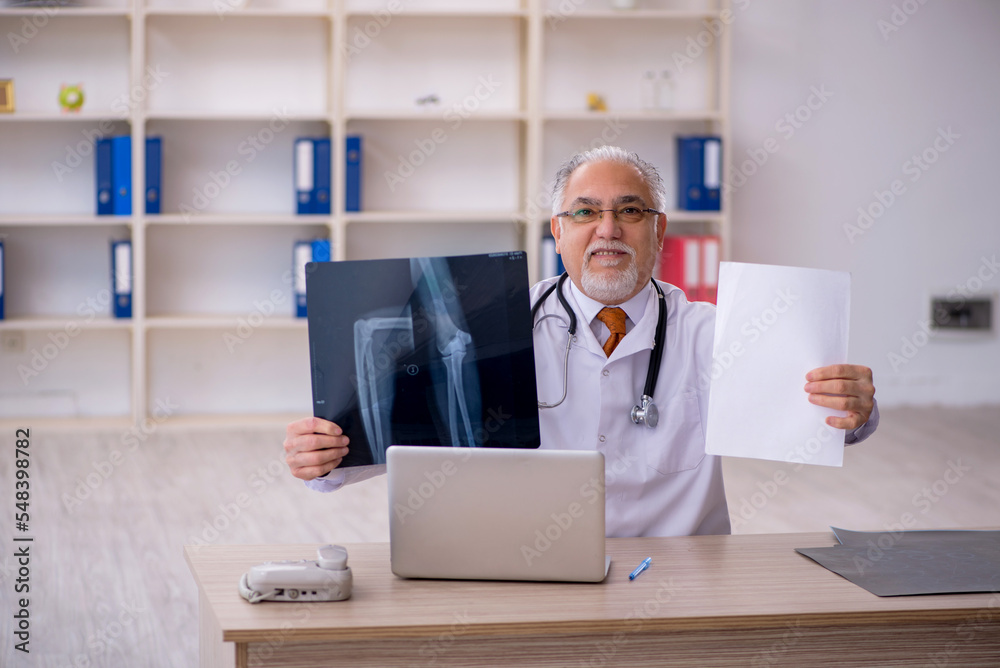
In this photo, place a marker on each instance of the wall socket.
(12, 341)
(967, 314)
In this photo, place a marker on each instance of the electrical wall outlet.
(973, 314)
(12, 341)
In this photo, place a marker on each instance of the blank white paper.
(773, 325)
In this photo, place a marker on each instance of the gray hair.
(609, 154)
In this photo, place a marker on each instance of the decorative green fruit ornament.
(71, 97)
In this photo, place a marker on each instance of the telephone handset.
(326, 579)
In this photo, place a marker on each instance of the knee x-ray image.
(423, 351)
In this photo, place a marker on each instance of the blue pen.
(643, 566)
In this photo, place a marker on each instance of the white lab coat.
(659, 481)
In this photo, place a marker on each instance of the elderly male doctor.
(608, 223)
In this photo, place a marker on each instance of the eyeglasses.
(626, 214)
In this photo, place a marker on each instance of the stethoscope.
(645, 412)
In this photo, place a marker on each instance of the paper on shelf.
(775, 324)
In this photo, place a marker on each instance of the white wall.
(891, 94)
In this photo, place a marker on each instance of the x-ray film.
(423, 351)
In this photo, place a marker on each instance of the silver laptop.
(496, 514)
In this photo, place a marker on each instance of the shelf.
(235, 219)
(444, 14)
(485, 217)
(695, 217)
(230, 116)
(232, 12)
(52, 323)
(82, 116)
(633, 115)
(65, 12)
(636, 14)
(220, 322)
(58, 220)
(438, 114)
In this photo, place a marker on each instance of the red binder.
(692, 264)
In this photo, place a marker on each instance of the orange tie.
(614, 318)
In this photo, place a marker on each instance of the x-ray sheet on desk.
(907, 563)
(423, 351)
(773, 325)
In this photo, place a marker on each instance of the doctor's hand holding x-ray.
(608, 223)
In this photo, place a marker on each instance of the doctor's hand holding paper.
(608, 222)
(844, 387)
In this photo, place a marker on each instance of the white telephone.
(326, 579)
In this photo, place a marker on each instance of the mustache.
(611, 244)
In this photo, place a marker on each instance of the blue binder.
(121, 278)
(321, 250)
(304, 175)
(321, 178)
(121, 175)
(552, 264)
(1, 280)
(102, 177)
(352, 174)
(301, 256)
(154, 171)
(699, 173)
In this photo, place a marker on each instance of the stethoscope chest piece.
(646, 413)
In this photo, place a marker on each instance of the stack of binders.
(312, 175)
(113, 172)
(692, 264)
(304, 252)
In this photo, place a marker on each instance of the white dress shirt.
(659, 481)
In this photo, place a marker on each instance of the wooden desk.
(705, 601)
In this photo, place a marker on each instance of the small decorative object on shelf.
(665, 91)
(430, 100)
(623, 4)
(7, 96)
(596, 102)
(648, 93)
(71, 98)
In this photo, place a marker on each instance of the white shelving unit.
(213, 338)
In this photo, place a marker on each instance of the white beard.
(610, 287)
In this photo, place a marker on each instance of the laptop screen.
(423, 351)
